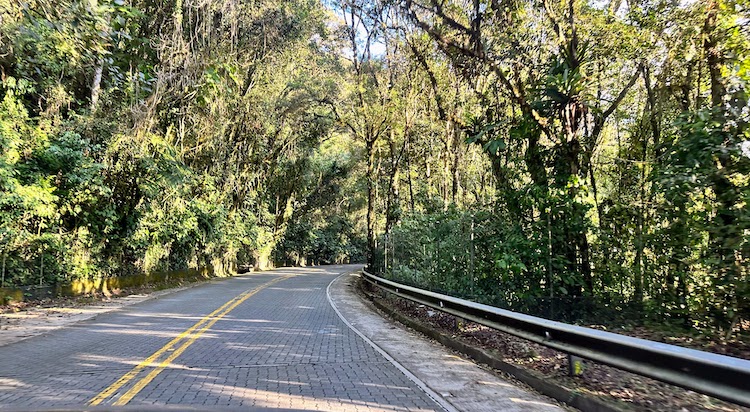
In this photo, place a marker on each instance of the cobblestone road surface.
(283, 347)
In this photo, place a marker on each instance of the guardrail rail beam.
(720, 376)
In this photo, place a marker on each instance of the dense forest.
(560, 157)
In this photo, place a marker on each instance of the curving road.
(265, 341)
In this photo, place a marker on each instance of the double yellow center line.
(175, 347)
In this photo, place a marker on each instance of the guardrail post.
(575, 365)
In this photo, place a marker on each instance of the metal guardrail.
(720, 376)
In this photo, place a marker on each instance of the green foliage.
(706, 187)
(483, 256)
(617, 143)
(562, 159)
(128, 146)
(322, 229)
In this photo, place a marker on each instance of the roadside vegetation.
(572, 159)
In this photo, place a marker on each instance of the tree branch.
(515, 93)
(599, 123)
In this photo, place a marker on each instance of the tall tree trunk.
(639, 246)
(726, 235)
(573, 220)
(534, 160)
(392, 214)
(96, 85)
(455, 138)
(446, 157)
(371, 199)
(408, 177)
(713, 56)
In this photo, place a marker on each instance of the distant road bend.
(268, 340)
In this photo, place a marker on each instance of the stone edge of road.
(439, 400)
(30, 327)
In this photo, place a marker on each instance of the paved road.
(267, 340)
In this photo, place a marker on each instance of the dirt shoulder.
(23, 320)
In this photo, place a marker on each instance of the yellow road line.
(106, 393)
(204, 324)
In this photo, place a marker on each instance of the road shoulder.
(17, 326)
(460, 382)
